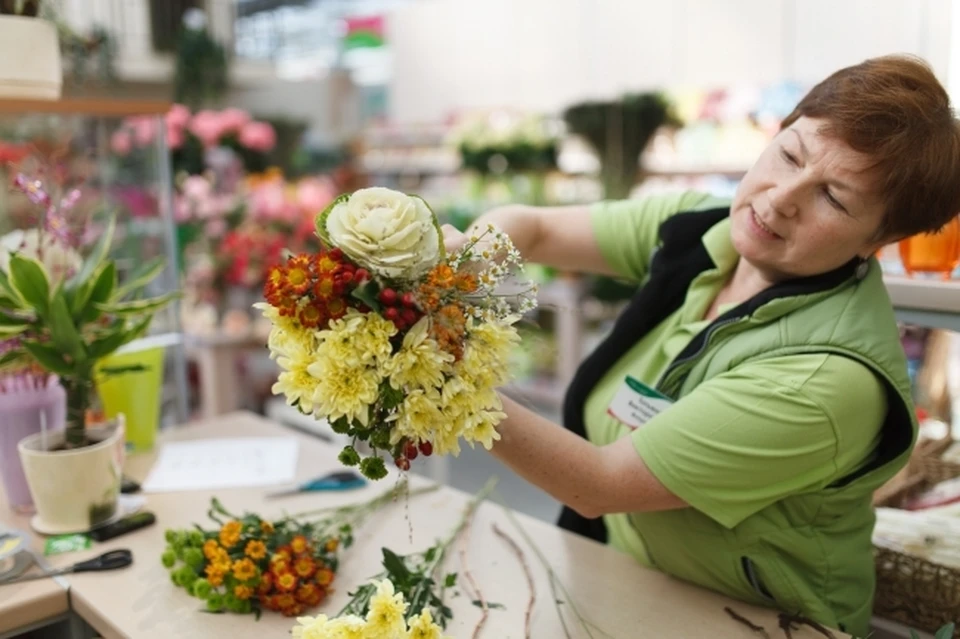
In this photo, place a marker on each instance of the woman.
(732, 428)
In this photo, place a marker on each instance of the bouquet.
(249, 563)
(396, 343)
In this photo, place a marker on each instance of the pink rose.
(207, 126)
(258, 136)
(120, 142)
(232, 120)
(178, 116)
(269, 202)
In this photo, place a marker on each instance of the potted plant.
(24, 28)
(67, 323)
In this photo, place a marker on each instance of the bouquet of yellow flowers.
(395, 342)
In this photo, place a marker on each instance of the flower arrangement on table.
(247, 563)
(396, 343)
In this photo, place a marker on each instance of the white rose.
(385, 231)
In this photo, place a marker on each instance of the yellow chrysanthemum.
(349, 627)
(359, 339)
(385, 619)
(230, 533)
(481, 428)
(487, 352)
(311, 628)
(295, 382)
(420, 363)
(286, 334)
(419, 416)
(423, 627)
(344, 391)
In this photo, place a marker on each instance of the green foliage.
(201, 69)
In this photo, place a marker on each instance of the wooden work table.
(622, 598)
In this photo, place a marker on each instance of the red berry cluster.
(400, 309)
(410, 452)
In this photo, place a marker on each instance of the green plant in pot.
(67, 323)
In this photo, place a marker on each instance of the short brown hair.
(894, 110)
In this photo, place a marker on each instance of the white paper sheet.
(208, 464)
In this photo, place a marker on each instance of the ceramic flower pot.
(36, 75)
(74, 490)
(23, 414)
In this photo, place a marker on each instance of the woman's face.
(807, 205)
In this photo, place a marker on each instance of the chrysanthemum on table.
(392, 340)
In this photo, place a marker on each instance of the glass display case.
(102, 158)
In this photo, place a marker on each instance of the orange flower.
(230, 533)
(266, 583)
(244, 569)
(266, 527)
(255, 549)
(336, 308)
(304, 567)
(221, 558)
(332, 544)
(285, 581)
(285, 601)
(467, 282)
(325, 264)
(324, 576)
(311, 316)
(326, 287)
(298, 279)
(310, 594)
(299, 545)
(441, 276)
(214, 574)
(243, 592)
(210, 548)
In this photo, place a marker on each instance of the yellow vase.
(136, 394)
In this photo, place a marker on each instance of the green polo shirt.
(744, 439)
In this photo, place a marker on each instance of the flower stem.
(78, 400)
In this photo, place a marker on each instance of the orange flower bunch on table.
(248, 564)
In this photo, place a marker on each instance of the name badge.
(636, 403)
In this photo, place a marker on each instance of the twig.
(555, 582)
(789, 623)
(464, 542)
(526, 571)
(749, 624)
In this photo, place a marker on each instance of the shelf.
(929, 303)
(85, 106)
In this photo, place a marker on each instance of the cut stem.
(526, 571)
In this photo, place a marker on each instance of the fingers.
(452, 238)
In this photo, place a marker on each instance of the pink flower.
(178, 116)
(207, 126)
(314, 194)
(269, 202)
(196, 187)
(233, 120)
(175, 137)
(144, 130)
(120, 142)
(216, 228)
(258, 136)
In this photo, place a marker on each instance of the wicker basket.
(913, 591)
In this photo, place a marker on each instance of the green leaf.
(63, 331)
(110, 371)
(48, 357)
(137, 307)
(367, 293)
(11, 298)
(491, 605)
(12, 330)
(395, 565)
(107, 344)
(11, 357)
(96, 256)
(321, 223)
(945, 632)
(97, 290)
(30, 279)
(914, 635)
(450, 581)
(436, 224)
(139, 278)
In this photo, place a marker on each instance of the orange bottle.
(932, 252)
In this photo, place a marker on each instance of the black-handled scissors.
(110, 560)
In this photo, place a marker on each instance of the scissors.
(341, 480)
(110, 560)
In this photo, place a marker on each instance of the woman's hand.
(453, 240)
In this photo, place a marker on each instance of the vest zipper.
(704, 341)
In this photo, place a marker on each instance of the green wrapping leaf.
(97, 255)
(321, 223)
(139, 278)
(436, 225)
(136, 307)
(49, 357)
(30, 279)
(63, 331)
